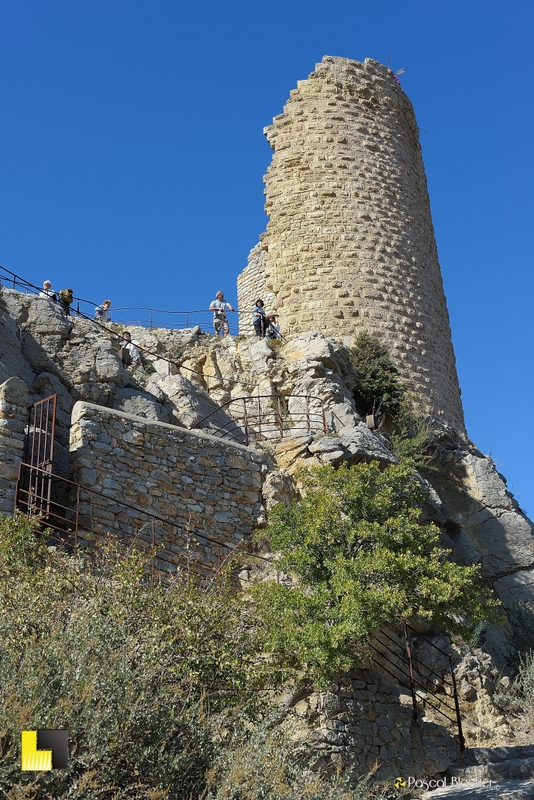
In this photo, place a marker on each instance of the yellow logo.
(44, 750)
(400, 783)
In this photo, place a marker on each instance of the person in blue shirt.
(102, 312)
(259, 319)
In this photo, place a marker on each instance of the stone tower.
(349, 245)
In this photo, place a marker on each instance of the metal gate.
(34, 487)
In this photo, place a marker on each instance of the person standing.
(65, 298)
(273, 328)
(102, 312)
(259, 319)
(220, 320)
(47, 292)
(130, 352)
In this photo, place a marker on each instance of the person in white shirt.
(47, 292)
(220, 320)
(131, 352)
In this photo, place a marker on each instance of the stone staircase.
(499, 773)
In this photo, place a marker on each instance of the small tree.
(360, 556)
(378, 386)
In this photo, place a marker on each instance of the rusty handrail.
(409, 669)
(263, 426)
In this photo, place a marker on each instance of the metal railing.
(427, 687)
(268, 417)
(130, 315)
(177, 320)
(66, 508)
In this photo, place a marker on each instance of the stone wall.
(349, 245)
(201, 484)
(13, 418)
(251, 287)
(364, 721)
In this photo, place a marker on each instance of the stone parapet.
(13, 418)
(200, 483)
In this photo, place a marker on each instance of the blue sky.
(132, 156)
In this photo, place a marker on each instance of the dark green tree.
(379, 387)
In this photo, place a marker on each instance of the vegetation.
(140, 674)
(359, 555)
(380, 391)
(268, 762)
(517, 696)
(413, 438)
(157, 684)
(161, 685)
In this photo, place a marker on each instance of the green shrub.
(378, 388)
(412, 438)
(272, 761)
(360, 556)
(138, 673)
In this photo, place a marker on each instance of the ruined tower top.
(349, 245)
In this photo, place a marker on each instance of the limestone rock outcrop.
(197, 382)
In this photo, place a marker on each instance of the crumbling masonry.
(349, 245)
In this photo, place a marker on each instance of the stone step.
(513, 769)
(503, 790)
(491, 755)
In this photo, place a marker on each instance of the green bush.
(359, 555)
(378, 388)
(412, 438)
(269, 762)
(138, 673)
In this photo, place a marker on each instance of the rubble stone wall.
(251, 287)
(364, 721)
(200, 483)
(13, 418)
(349, 245)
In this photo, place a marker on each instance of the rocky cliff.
(228, 388)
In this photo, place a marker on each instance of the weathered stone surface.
(349, 245)
(13, 416)
(133, 401)
(187, 404)
(487, 525)
(516, 588)
(278, 488)
(170, 471)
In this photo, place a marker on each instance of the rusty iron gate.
(39, 453)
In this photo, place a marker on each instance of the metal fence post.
(245, 420)
(280, 420)
(259, 417)
(457, 707)
(77, 522)
(410, 667)
(153, 566)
